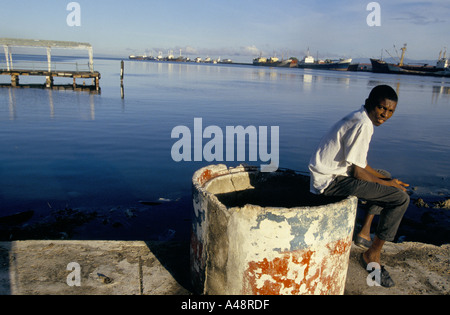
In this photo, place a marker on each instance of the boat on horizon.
(308, 62)
(141, 57)
(275, 62)
(441, 68)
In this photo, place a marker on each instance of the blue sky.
(237, 29)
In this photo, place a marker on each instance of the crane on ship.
(402, 58)
(403, 49)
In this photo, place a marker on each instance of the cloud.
(420, 12)
(418, 19)
(249, 50)
(190, 50)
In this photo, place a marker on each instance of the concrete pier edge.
(42, 267)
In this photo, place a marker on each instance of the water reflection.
(126, 152)
(437, 92)
(310, 78)
(11, 107)
(18, 104)
(440, 92)
(61, 87)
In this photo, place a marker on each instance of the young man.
(339, 168)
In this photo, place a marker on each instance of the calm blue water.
(75, 149)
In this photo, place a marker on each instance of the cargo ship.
(275, 62)
(441, 68)
(143, 57)
(308, 62)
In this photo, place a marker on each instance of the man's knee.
(406, 197)
(403, 199)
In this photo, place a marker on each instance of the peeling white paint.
(262, 280)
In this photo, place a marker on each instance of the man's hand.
(370, 175)
(397, 183)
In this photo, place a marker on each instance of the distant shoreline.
(363, 60)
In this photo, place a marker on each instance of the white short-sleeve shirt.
(345, 144)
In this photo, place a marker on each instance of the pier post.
(121, 71)
(14, 80)
(122, 95)
(49, 58)
(6, 49)
(49, 81)
(11, 67)
(91, 59)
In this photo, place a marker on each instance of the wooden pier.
(95, 76)
(49, 72)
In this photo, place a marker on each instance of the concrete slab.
(105, 268)
(416, 268)
(162, 268)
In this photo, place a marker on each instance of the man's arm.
(370, 175)
(375, 173)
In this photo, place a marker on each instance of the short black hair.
(380, 93)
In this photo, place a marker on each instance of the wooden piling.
(121, 71)
(14, 80)
(122, 94)
(49, 81)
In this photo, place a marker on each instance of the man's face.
(382, 112)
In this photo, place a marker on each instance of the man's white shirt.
(346, 144)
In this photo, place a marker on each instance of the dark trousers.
(389, 202)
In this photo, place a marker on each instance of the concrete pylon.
(262, 233)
